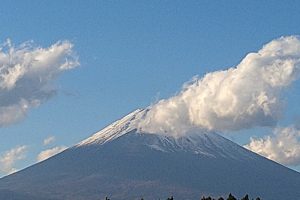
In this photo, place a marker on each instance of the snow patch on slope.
(203, 143)
(116, 129)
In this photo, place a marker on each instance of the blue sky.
(133, 53)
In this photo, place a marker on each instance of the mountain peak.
(201, 142)
(116, 129)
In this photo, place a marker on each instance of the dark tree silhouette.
(231, 197)
(170, 198)
(206, 198)
(245, 197)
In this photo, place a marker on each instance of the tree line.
(230, 197)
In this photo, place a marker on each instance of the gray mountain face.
(123, 162)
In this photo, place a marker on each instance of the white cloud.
(243, 96)
(49, 140)
(50, 152)
(26, 74)
(282, 146)
(10, 157)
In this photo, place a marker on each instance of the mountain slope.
(124, 163)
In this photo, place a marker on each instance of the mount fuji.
(123, 162)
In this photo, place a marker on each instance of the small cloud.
(283, 146)
(49, 140)
(9, 158)
(50, 152)
(26, 76)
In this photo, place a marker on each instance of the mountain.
(123, 162)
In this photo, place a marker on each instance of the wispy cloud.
(26, 74)
(9, 158)
(282, 146)
(49, 140)
(244, 96)
(50, 152)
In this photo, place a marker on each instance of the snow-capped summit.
(116, 129)
(123, 162)
(202, 142)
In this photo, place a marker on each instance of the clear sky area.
(131, 54)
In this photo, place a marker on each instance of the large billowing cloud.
(10, 157)
(26, 74)
(240, 97)
(282, 146)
